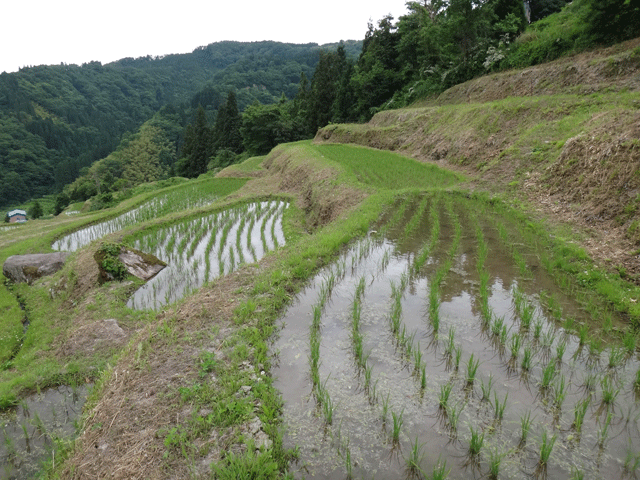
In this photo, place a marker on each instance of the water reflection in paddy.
(562, 376)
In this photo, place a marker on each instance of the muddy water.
(198, 251)
(28, 435)
(360, 437)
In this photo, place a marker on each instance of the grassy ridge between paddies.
(36, 359)
(270, 287)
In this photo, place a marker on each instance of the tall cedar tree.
(226, 129)
(198, 146)
(325, 84)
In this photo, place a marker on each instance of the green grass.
(387, 170)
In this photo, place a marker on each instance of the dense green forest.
(97, 130)
(56, 121)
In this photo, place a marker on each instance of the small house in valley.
(17, 216)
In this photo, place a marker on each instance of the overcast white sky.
(36, 32)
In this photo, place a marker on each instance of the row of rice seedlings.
(399, 212)
(483, 274)
(425, 251)
(441, 273)
(524, 309)
(201, 242)
(552, 381)
(417, 217)
(511, 247)
(179, 199)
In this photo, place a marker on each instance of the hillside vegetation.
(57, 120)
(563, 136)
(534, 171)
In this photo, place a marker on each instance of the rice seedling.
(472, 368)
(526, 359)
(486, 388)
(603, 433)
(569, 324)
(547, 338)
(548, 374)
(445, 393)
(616, 356)
(495, 460)
(397, 425)
(476, 441)
(576, 474)
(367, 377)
(560, 349)
(514, 346)
(636, 381)
(415, 458)
(589, 382)
(609, 391)
(417, 357)
(595, 348)
(629, 341)
(440, 471)
(583, 334)
(347, 462)
(525, 427)
(537, 329)
(559, 393)
(526, 316)
(450, 345)
(456, 358)
(498, 408)
(496, 326)
(546, 447)
(579, 412)
(504, 334)
(385, 407)
(518, 300)
(423, 377)
(453, 415)
(632, 462)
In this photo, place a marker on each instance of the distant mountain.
(57, 120)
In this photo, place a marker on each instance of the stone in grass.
(29, 268)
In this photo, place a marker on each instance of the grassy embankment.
(35, 359)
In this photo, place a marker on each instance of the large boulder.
(28, 268)
(116, 260)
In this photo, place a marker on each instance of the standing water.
(199, 250)
(29, 434)
(433, 348)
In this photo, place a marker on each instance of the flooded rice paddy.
(171, 202)
(29, 434)
(198, 251)
(441, 343)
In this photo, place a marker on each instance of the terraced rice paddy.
(198, 251)
(28, 435)
(442, 344)
(173, 201)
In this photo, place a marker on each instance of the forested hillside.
(56, 120)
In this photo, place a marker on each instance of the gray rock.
(28, 268)
(144, 266)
